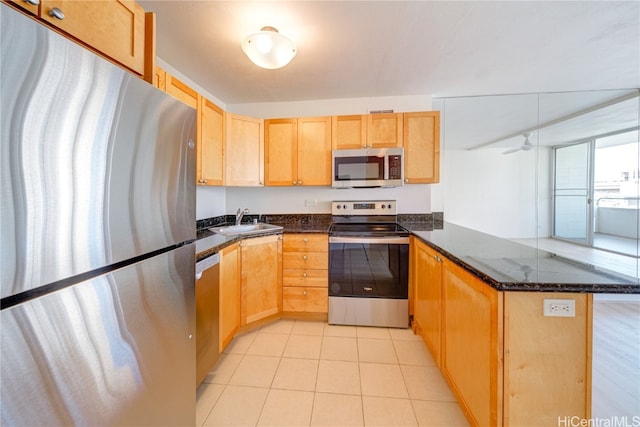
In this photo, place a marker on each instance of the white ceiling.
(352, 49)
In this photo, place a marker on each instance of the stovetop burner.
(367, 229)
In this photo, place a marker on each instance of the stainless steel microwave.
(367, 167)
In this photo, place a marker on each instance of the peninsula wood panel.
(116, 28)
(229, 294)
(281, 147)
(421, 143)
(472, 344)
(261, 278)
(348, 132)
(547, 360)
(314, 151)
(210, 155)
(244, 153)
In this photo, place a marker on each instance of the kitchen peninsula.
(478, 302)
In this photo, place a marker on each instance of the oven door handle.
(392, 240)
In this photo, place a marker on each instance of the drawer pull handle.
(368, 289)
(33, 2)
(56, 13)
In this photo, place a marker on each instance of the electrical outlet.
(559, 308)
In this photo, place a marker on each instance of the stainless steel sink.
(245, 228)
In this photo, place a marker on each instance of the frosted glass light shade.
(269, 49)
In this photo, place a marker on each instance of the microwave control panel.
(395, 166)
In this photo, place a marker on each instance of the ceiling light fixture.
(269, 49)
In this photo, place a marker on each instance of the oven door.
(369, 267)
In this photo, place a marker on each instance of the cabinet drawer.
(306, 243)
(303, 277)
(310, 300)
(305, 260)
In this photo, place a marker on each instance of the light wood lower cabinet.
(427, 291)
(261, 291)
(472, 342)
(507, 363)
(305, 275)
(229, 294)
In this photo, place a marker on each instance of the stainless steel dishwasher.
(207, 315)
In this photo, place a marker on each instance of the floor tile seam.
(406, 388)
(224, 387)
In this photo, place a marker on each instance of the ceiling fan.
(526, 146)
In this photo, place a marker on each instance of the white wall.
(503, 195)
(287, 200)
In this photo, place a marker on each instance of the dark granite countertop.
(511, 266)
(503, 264)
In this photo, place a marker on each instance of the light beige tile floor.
(301, 373)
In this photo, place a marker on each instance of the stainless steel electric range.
(368, 265)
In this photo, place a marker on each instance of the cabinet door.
(261, 278)
(473, 342)
(181, 91)
(115, 27)
(210, 162)
(428, 296)
(281, 152)
(244, 154)
(421, 147)
(314, 151)
(384, 130)
(348, 132)
(26, 5)
(229, 294)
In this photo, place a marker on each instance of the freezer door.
(115, 350)
(96, 165)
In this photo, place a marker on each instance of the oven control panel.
(364, 207)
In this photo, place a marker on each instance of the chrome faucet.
(240, 214)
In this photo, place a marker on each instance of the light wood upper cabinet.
(421, 143)
(348, 132)
(26, 5)
(384, 130)
(314, 151)
(180, 90)
(427, 291)
(229, 293)
(261, 292)
(298, 151)
(210, 143)
(280, 152)
(244, 153)
(116, 28)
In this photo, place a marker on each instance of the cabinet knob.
(299, 182)
(304, 292)
(294, 183)
(56, 13)
(305, 240)
(304, 275)
(33, 2)
(304, 257)
(406, 180)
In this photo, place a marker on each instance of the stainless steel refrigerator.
(97, 229)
